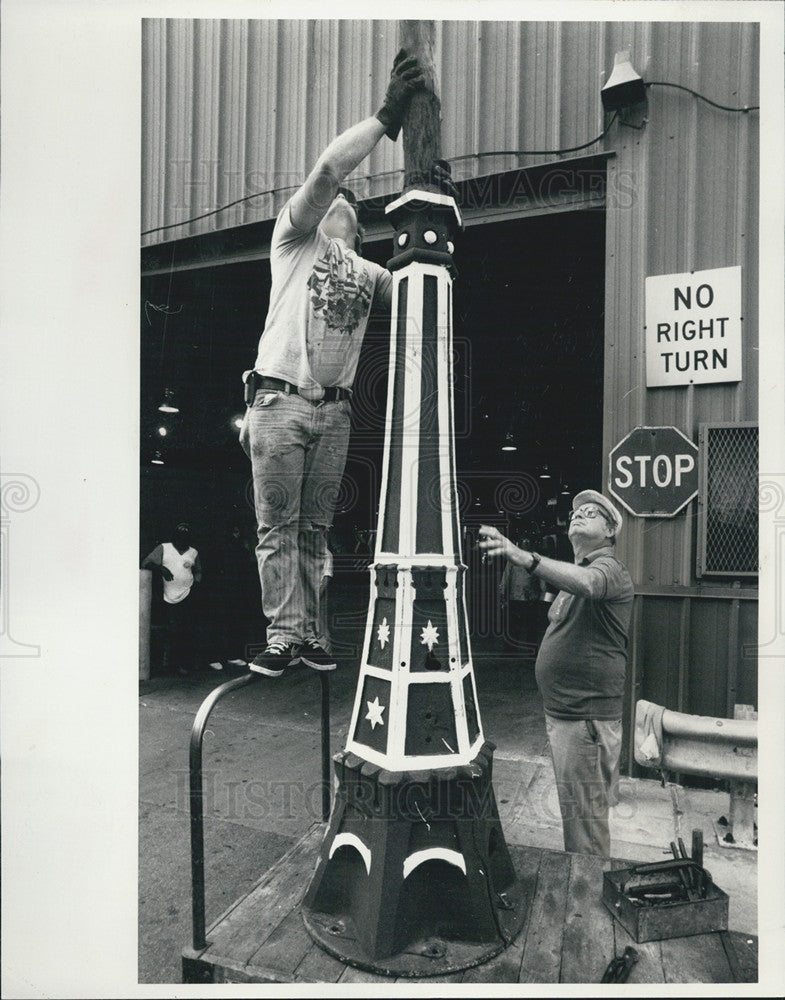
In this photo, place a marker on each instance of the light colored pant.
(298, 453)
(585, 757)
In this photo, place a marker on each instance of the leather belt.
(332, 393)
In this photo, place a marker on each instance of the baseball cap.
(592, 496)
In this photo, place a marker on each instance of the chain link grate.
(730, 505)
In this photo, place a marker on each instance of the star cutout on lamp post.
(374, 715)
(383, 633)
(429, 636)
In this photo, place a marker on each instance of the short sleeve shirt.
(582, 660)
(181, 566)
(320, 303)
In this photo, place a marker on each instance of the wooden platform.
(568, 936)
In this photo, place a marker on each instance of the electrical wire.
(722, 107)
(386, 173)
(539, 152)
(469, 156)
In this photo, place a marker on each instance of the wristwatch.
(534, 563)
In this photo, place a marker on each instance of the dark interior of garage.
(528, 341)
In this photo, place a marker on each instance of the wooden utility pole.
(422, 139)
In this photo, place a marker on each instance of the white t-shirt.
(320, 303)
(181, 566)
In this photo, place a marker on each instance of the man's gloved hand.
(442, 178)
(406, 77)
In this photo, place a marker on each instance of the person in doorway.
(581, 665)
(519, 592)
(178, 564)
(297, 421)
(555, 544)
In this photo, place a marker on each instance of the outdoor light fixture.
(625, 87)
(168, 405)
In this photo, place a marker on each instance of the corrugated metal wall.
(232, 108)
(235, 107)
(686, 198)
(683, 195)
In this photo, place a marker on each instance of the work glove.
(438, 176)
(405, 78)
(441, 176)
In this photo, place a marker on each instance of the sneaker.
(237, 662)
(274, 659)
(313, 655)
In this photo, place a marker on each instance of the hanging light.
(625, 86)
(157, 459)
(162, 431)
(237, 422)
(544, 474)
(509, 442)
(168, 405)
(565, 491)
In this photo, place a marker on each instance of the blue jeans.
(298, 453)
(585, 755)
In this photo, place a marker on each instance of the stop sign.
(654, 471)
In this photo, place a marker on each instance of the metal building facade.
(236, 108)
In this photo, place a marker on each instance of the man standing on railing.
(296, 426)
(581, 665)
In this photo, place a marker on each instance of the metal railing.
(197, 788)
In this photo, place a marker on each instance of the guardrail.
(708, 746)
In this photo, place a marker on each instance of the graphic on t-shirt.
(340, 292)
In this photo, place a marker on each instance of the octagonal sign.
(654, 471)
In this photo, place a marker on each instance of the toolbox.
(666, 899)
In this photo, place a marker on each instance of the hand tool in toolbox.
(666, 899)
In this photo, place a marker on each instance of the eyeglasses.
(590, 512)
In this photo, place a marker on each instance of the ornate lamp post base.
(417, 879)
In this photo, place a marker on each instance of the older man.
(581, 665)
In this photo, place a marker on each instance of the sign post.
(654, 471)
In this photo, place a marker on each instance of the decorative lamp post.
(414, 875)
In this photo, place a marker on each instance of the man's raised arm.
(349, 149)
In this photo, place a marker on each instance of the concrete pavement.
(262, 781)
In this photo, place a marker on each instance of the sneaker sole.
(317, 666)
(267, 671)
